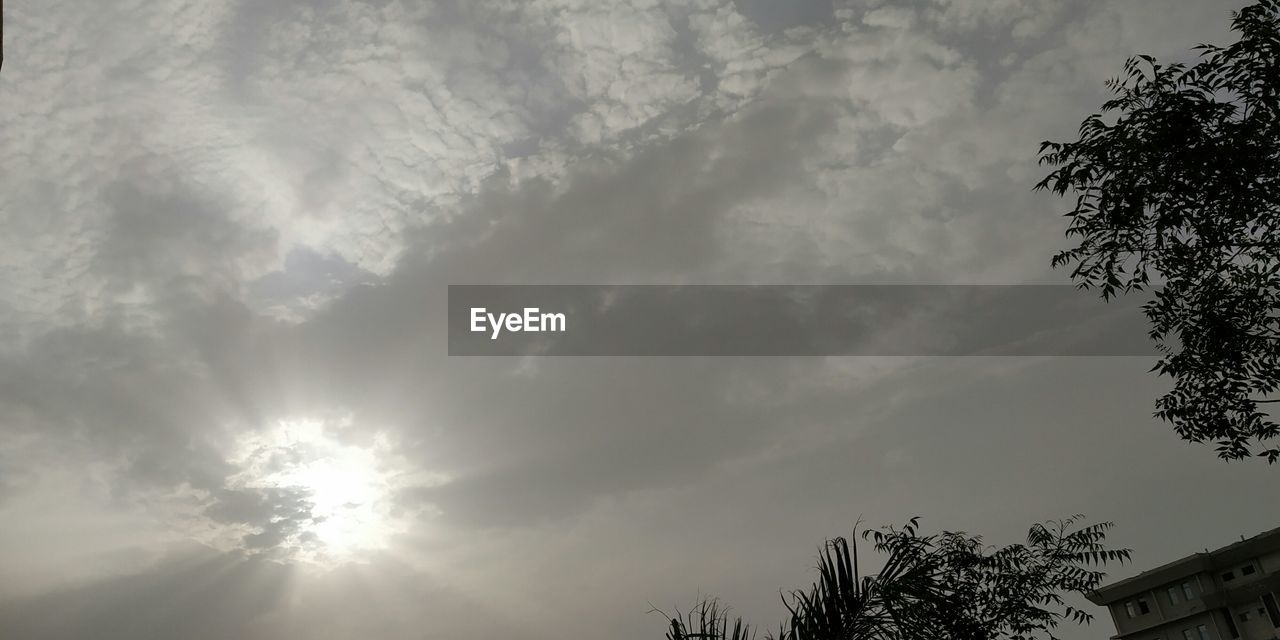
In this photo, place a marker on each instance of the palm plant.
(948, 585)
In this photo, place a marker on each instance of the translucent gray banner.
(792, 320)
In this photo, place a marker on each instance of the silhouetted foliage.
(1181, 195)
(946, 586)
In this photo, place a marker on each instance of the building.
(1216, 595)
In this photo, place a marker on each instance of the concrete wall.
(1258, 627)
(1182, 606)
(1125, 624)
(1271, 562)
(1163, 608)
(1173, 630)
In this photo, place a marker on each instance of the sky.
(226, 404)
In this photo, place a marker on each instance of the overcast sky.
(225, 405)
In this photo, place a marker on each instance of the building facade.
(1228, 594)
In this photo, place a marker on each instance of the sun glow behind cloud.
(346, 487)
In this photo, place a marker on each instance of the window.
(1231, 626)
(1204, 632)
(1273, 611)
(1137, 607)
(1228, 576)
(1186, 590)
(1247, 570)
(1173, 595)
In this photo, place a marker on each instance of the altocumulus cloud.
(225, 217)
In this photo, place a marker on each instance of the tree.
(946, 586)
(1180, 194)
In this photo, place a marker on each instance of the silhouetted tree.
(946, 586)
(1177, 190)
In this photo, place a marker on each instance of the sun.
(345, 485)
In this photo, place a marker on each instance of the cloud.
(245, 213)
(277, 513)
(334, 127)
(201, 595)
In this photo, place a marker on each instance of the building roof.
(1182, 567)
